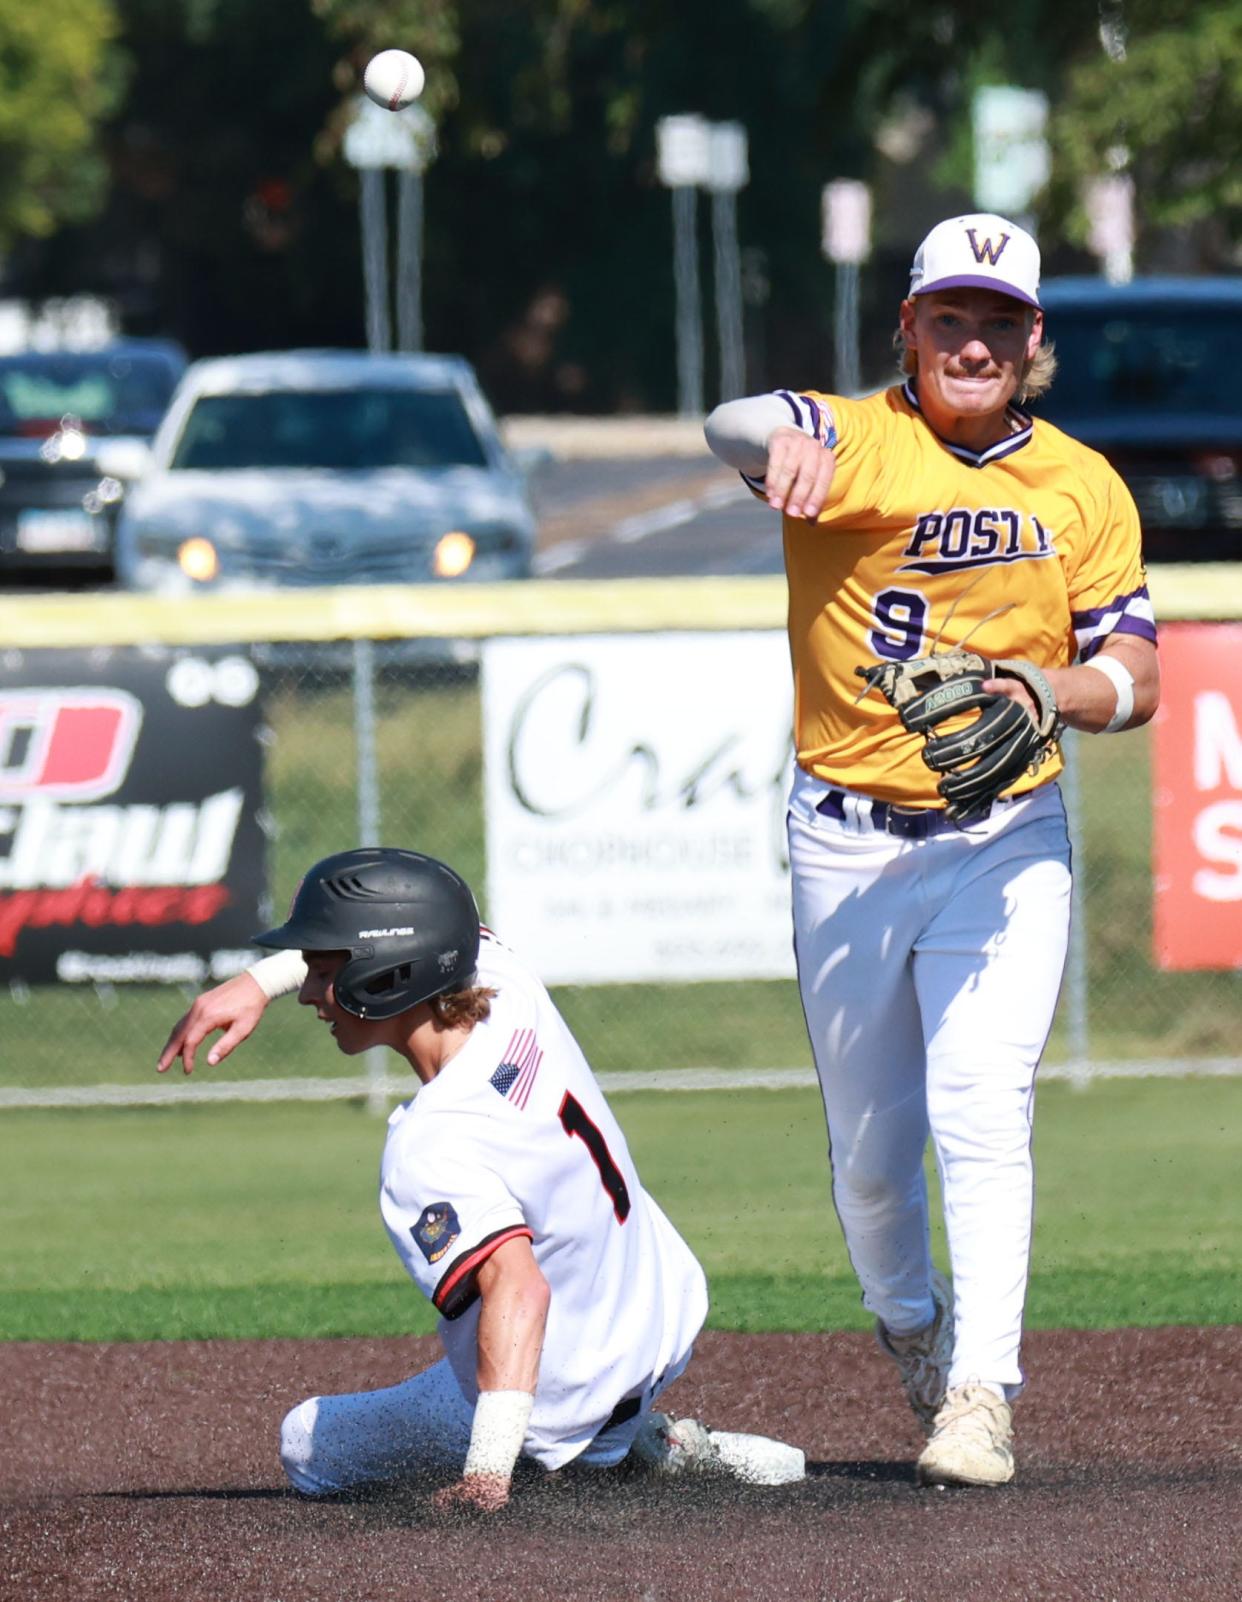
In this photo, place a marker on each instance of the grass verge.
(237, 1221)
(1165, 1293)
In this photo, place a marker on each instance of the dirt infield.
(149, 1472)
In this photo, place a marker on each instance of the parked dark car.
(1147, 375)
(63, 415)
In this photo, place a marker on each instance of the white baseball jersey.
(514, 1138)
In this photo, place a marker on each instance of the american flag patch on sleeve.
(515, 1076)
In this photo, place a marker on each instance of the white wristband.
(500, 1420)
(278, 974)
(1123, 682)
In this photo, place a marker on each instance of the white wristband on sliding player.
(500, 1420)
(1123, 682)
(278, 974)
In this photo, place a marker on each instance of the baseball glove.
(983, 757)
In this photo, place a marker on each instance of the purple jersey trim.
(1137, 626)
(1143, 627)
(793, 404)
(1003, 447)
(1092, 616)
(1124, 614)
(810, 417)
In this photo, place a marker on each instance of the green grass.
(259, 1221)
(72, 1037)
(430, 772)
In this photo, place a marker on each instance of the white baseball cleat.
(923, 1358)
(972, 1441)
(673, 1445)
(684, 1446)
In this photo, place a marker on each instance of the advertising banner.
(1197, 791)
(635, 790)
(130, 796)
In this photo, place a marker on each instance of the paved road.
(649, 516)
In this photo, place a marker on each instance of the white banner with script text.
(634, 791)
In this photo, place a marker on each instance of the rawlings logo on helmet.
(395, 966)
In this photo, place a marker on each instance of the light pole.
(727, 174)
(375, 140)
(409, 260)
(373, 221)
(683, 160)
(846, 208)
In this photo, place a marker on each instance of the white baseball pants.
(335, 1443)
(929, 971)
(338, 1443)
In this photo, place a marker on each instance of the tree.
(548, 234)
(59, 74)
(232, 222)
(221, 227)
(1162, 100)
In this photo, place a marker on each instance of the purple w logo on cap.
(986, 250)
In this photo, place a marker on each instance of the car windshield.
(337, 428)
(1144, 359)
(107, 392)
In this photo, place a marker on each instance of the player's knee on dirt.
(297, 1449)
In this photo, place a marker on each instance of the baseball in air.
(393, 79)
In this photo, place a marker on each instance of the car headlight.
(488, 551)
(198, 560)
(453, 554)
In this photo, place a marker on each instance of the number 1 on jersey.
(574, 1121)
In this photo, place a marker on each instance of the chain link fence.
(381, 741)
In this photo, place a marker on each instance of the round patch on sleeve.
(436, 1230)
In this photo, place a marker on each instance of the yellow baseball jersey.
(1034, 544)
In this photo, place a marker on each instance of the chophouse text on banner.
(635, 791)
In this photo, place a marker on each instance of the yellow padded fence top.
(476, 611)
(395, 611)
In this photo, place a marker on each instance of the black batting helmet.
(408, 922)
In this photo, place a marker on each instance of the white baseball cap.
(978, 251)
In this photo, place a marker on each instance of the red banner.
(1197, 795)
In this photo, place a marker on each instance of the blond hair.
(456, 1007)
(1036, 378)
